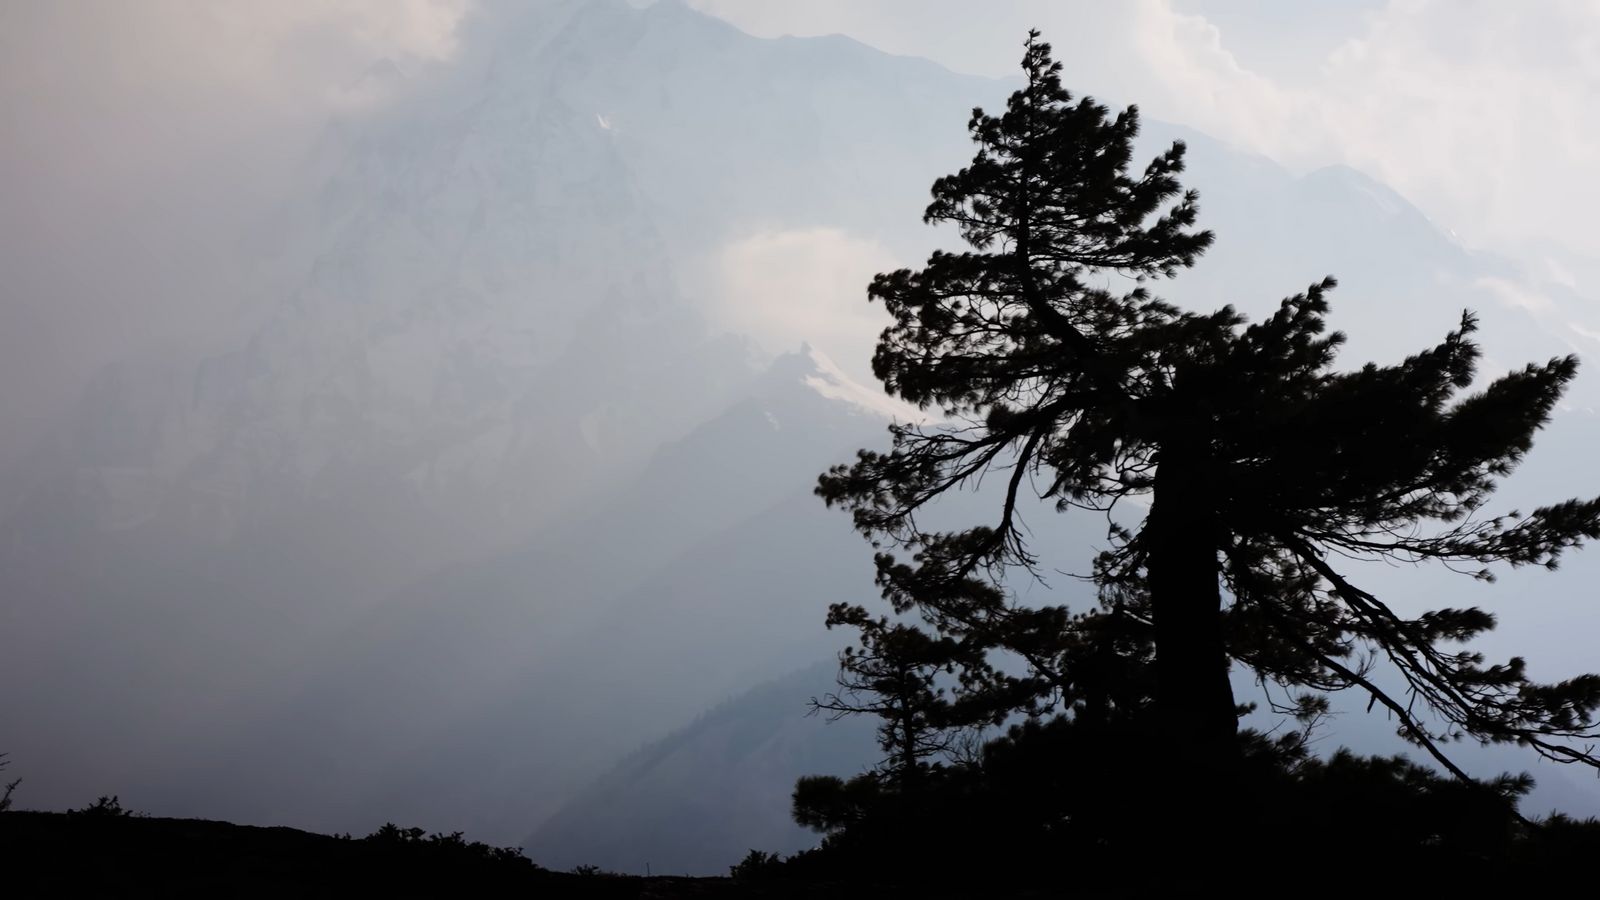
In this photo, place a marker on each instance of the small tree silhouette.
(11, 786)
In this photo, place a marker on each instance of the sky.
(1482, 113)
(142, 137)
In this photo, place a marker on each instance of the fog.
(411, 409)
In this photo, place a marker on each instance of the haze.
(410, 410)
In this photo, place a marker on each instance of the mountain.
(488, 340)
(713, 790)
(482, 694)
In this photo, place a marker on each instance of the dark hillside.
(98, 854)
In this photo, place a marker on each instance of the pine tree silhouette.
(1261, 461)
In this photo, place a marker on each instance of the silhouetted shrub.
(453, 845)
(105, 807)
(1059, 795)
(757, 866)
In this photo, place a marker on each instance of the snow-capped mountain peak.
(820, 374)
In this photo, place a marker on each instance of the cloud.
(1485, 114)
(139, 134)
(1516, 295)
(140, 140)
(783, 287)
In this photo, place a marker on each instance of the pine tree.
(1261, 462)
(893, 675)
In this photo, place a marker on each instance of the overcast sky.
(140, 137)
(1487, 114)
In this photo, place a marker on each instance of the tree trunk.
(1194, 698)
(1196, 722)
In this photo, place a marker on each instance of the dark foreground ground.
(85, 854)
